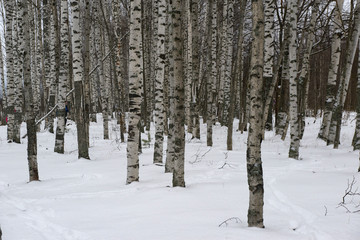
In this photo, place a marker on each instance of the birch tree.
(333, 70)
(83, 148)
(135, 89)
(159, 83)
(294, 123)
(29, 105)
(178, 107)
(212, 69)
(335, 124)
(63, 79)
(9, 9)
(253, 154)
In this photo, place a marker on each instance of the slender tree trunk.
(29, 105)
(333, 71)
(303, 78)
(269, 9)
(195, 67)
(170, 154)
(159, 83)
(239, 75)
(135, 85)
(83, 148)
(9, 9)
(18, 48)
(335, 125)
(63, 79)
(294, 123)
(356, 138)
(212, 69)
(253, 154)
(179, 119)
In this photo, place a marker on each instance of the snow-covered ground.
(82, 199)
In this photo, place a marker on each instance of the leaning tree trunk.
(83, 148)
(63, 79)
(135, 85)
(179, 113)
(293, 109)
(333, 71)
(159, 84)
(335, 124)
(29, 105)
(253, 154)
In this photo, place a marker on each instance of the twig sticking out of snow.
(226, 222)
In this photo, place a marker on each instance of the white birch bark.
(189, 67)
(356, 138)
(293, 109)
(63, 79)
(159, 83)
(76, 41)
(170, 155)
(335, 124)
(196, 67)
(302, 81)
(253, 154)
(9, 9)
(333, 70)
(229, 57)
(30, 116)
(212, 70)
(179, 114)
(269, 10)
(135, 89)
(18, 72)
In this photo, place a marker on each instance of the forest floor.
(88, 199)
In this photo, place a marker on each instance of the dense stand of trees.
(175, 63)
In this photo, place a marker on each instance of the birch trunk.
(212, 69)
(83, 148)
(135, 85)
(53, 74)
(189, 68)
(170, 154)
(333, 71)
(228, 66)
(293, 109)
(283, 116)
(253, 154)
(63, 79)
(335, 125)
(18, 49)
(29, 106)
(269, 9)
(241, 99)
(159, 84)
(303, 78)
(196, 67)
(9, 9)
(356, 138)
(179, 113)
